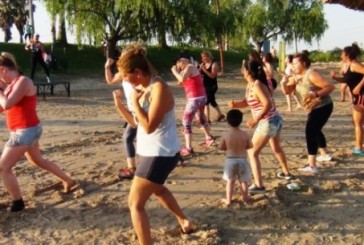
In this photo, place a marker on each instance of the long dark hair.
(352, 51)
(256, 71)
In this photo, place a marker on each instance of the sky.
(345, 27)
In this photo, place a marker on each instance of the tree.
(268, 18)
(308, 14)
(56, 9)
(264, 20)
(12, 12)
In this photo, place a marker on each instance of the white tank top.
(163, 141)
(128, 89)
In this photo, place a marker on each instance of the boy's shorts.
(237, 168)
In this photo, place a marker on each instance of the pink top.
(194, 87)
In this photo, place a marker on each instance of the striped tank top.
(256, 105)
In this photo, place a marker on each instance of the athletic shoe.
(308, 168)
(324, 158)
(49, 80)
(185, 151)
(357, 152)
(220, 118)
(209, 141)
(255, 189)
(281, 175)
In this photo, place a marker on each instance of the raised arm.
(109, 76)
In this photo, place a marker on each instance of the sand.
(83, 134)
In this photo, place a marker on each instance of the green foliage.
(309, 14)
(12, 13)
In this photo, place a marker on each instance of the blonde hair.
(8, 60)
(207, 54)
(134, 57)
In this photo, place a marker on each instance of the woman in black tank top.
(209, 69)
(352, 74)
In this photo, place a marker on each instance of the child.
(236, 142)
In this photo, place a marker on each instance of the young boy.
(236, 142)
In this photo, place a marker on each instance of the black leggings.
(38, 59)
(210, 94)
(316, 120)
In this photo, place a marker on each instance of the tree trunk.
(20, 29)
(53, 28)
(7, 36)
(259, 46)
(161, 30)
(162, 42)
(62, 35)
(112, 51)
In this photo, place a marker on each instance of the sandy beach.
(83, 135)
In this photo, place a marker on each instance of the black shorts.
(156, 169)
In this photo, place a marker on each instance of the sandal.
(126, 173)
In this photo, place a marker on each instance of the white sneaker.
(308, 168)
(323, 158)
(48, 80)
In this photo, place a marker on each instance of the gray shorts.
(237, 168)
(156, 169)
(24, 137)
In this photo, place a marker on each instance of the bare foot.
(342, 100)
(187, 227)
(298, 107)
(226, 201)
(288, 110)
(69, 187)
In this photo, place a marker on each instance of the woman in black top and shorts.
(352, 74)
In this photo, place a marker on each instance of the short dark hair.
(234, 117)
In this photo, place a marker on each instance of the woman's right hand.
(109, 62)
(332, 74)
(231, 104)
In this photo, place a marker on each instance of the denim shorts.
(24, 137)
(269, 127)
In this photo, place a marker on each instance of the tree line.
(206, 23)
